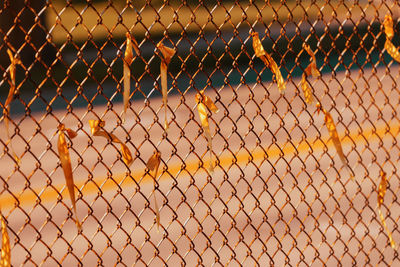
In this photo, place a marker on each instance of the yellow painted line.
(242, 158)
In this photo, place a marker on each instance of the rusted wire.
(279, 193)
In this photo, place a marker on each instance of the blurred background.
(75, 37)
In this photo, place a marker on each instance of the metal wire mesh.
(279, 194)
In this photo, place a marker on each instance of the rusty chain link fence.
(279, 194)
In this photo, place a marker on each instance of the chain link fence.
(279, 194)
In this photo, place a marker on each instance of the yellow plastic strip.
(153, 164)
(392, 50)
(388, 24)
(204, 103)
(389, 46)
(312, 67)
(381, 195)
(167, 54)
(65, 160)
(268, 61)
(97, 125)
(330, 125)
(5, 260)
(308, 95)
(128, 58)
(13, 69)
